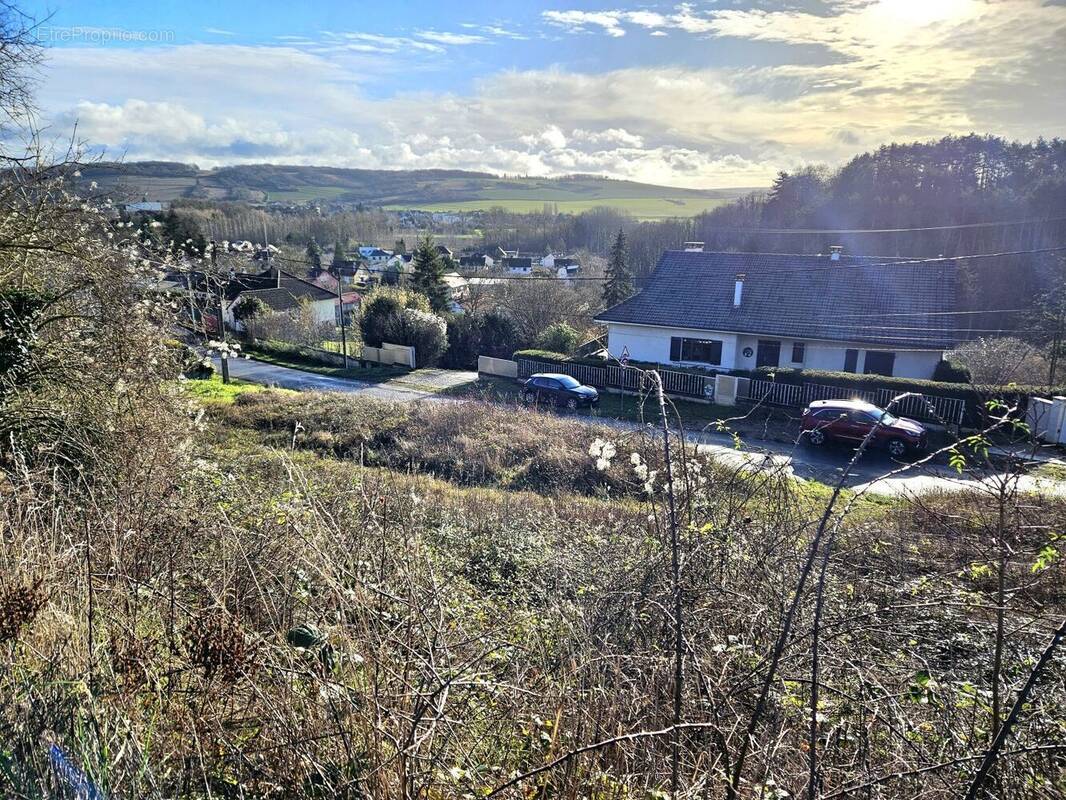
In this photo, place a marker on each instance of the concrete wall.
(503, 367)
(390, 354)
(646, 343)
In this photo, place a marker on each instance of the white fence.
(775, 394)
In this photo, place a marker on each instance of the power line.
(809, 231)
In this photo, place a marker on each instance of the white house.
(375, 256)
(746, 310)
(281, 291)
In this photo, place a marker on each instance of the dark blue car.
(549, 388)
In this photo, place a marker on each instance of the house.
(348, 304)
(567, 273)
(444, 252)
(143, 207)
(281, 291)
(375, 256)
(476, 261)
(458, 290)
(828, 312)
(518, 265)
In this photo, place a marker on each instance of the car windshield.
(568, 382)
(877, 415)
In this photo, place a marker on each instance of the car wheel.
(816, 437)
(529, 397)
(572, 404)
(897, 448)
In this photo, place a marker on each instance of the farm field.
(430, 190)
(640, 207)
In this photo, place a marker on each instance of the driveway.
(824, 465)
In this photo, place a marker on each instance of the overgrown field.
(354, 599)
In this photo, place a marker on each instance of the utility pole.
(344, 323)
(224, 353)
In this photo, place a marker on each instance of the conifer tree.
(314, 254)
(619, 283)
(428, 275)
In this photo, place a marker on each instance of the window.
(705, 351)
(879, 362)
(569, 383)
(799, 350)
(851, 360)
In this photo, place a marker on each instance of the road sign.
(624, 360)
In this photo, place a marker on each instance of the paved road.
(824, 465)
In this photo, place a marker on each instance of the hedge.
(548, 355)
(975, 396)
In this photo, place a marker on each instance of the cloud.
(580, 21)
(951, 66)
(683, 18)
(376, 42)
(219, 32)
(443, 37)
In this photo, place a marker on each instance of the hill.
(423, 189)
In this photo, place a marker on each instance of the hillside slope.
(430, 189)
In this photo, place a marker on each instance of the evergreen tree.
(619, 283)
(400, 248)
(340, 253)
(314, 254)
(428, 275)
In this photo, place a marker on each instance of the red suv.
(851, 420)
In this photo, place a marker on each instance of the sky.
(699, 94)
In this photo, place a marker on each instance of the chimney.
(693, 247)
(738, 290)
(835, 251)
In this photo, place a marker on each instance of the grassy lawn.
(214, 390)
(1051, 470)
(612, 406)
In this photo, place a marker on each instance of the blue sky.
(699, 94)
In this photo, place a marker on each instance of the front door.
(768, 354)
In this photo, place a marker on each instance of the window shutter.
(675, 348)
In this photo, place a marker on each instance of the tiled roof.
(280, 293)
(801, 296)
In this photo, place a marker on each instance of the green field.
(640, 207)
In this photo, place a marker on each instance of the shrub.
(499, 335)
(249, 307)
(558, 337)
(381, 312)
(951, 372)
(464, 341)
(425, 332)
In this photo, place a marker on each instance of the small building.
(726, 311)
(476, 261)
(518, 265)
(375, 256)
(281, 291)
(458, 290)
(348, 304)
(143, 207)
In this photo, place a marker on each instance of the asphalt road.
(825, 465)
